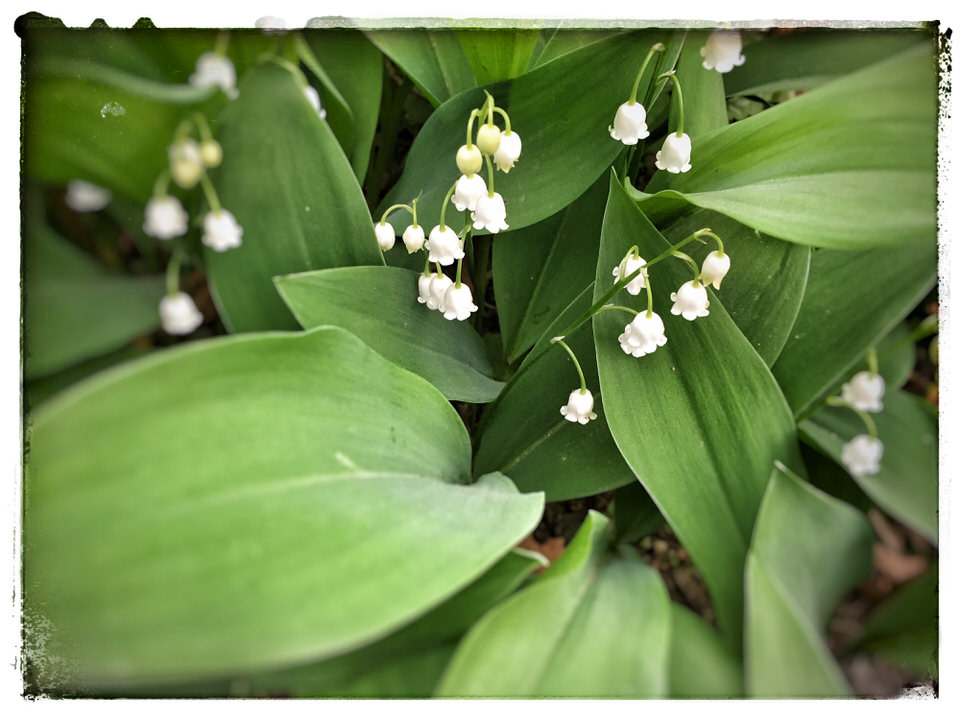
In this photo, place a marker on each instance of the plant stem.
(576, 363)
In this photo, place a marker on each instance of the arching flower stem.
(443, 208)
(690, 261)
(676, 83)
(837, 401)
(212, 200)
(576, 363)
(490, 174)
(659, 47)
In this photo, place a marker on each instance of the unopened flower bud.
(488, 138)
(186, 163)
(386, 235)
(469, 159)
(211, 153)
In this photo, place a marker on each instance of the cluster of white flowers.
(863, 393)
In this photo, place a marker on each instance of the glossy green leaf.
(700, 421)
(853, 299)
(245, 504)
(705, 103)
(701, 666)
(792, 587)
(906, 486)
(291, 188)
(339, 116)
(562, 115)
(433, 59)
(583, 629)
(850, 165)
(635, 514)
(42, 389)
(379, 305)
(496, 55)
(75, 308)
(560, 41)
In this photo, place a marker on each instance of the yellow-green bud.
(186, 164)
(469, 159)
(488, 139)
(211, 152)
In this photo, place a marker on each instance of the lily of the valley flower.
(491, 213)
(221, 231)
(458, 303)
(626, 268)
(508, 152)
(423, 289)
(715, 268)
(386, 235)
(186, 163)
(674, 156)
(862, 455)
(83, 196)
(413, 238)
(722, 51)
(470, 188)
(579, 407)
(179, 314)
(444, 246)
(313, 97)
(690, 300)
(864, 392)
(643, 335)
(439, 284)
(215, 69)
(629, 124)
(165, 218)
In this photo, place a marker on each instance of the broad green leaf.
(705, 103)
(379, 305)
(496, 55)
(75, 308)
(829, 476)
(765, 286)
(808, 549)
(585, 628)
(245, 504)
(897, 356)
(539, 270)
(339, 116)
(852, 300)
(906, 486)
(433, 59)
(560, 41)
(701, 666)
(806, 58)
(700, 421)
(291, 188)
(635, 514)
(849, 165)
(562, 115)
(42, 389)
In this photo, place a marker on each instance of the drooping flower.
(386, 235)
(439, 284)
(674, 156)
(722, 51)
(271, 25)
(313, 97)
(490, 214)
(862, 455)
(469, 189)
(413, 238)
(165, 218)
(488, 138)
(221, 231)
(690, 300)
(179, 314)
(643, 335)
(508, 152)
(186, 163)
(629, 124)
(211, 153)
(458, 303)
(423, 288)
(579, 407)
(215, 69)
(444, 246)
(865, 392)
(83, 196)
(715, 268)
(627, 267)
(469, 159)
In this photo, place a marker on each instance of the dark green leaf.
(701, 666)
(635, 513)
(496, 55)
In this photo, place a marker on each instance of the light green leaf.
(496, 55)
(245, 504)
(293, 191)
(705, 103)
(700, 421)
(701, 666)
(792, 587)
(585, 628)
(850, 165)
(561, 41)
(379, 305)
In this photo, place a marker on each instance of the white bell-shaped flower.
(674, 156)
(186, 163)
(313, 97)
(627, 267)
(715, 268)
(458, 303)
(862, 455)
(865, 392)
(165, 218)
(722, 51)
(490, 214)
(179, 314)
(423, 288)
(643, 335)
(386, 235)
(444, 246)
(439, 284)
(271, 25)
(629, 124)
(508, 152)
(221, 231)
(469, 189)
(83, 196)
(215, 69)
(579, 407)
(413, 238)
(690, 300)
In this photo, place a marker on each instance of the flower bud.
(469, 159)
(386, 235)
(488, 138)
(186, 163)
(715, 269)
(211, 153)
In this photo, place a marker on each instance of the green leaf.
(292, 189)
(701, 666)
(585, 628)
(339, 116)
(852, 300)
(700, 421)
(379, 305)
(42, 389)
(635, 515)
(245, 504)
(906, 486)
(561, 41)
(75, 308)
(433, 59)
(705, 103)
(561, 113)
(496, 55)
(849, 165)
(792, 587)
